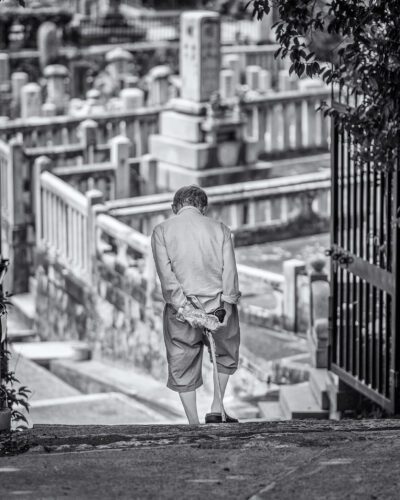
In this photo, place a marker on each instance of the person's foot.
(216, 418)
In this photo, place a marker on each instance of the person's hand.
(228, 308)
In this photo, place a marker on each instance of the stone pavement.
(303, 460)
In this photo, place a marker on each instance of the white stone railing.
(65, 130)
(242, 206)
(275, 280)
(62, 224)
(124, 237)
(287, 121)
(113, 178)
(73, 231)
(255, 55)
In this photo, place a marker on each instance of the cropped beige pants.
(184, 345)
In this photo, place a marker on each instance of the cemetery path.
(275, 460)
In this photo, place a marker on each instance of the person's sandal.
(216, 418)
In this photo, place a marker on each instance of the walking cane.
(210, 338)
(220, 314)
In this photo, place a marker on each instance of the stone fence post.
(41, 164)
(291, 269)
(94, 197)
(88, 132)
(19, 220)
(148, 172)
(318, 332)
(120, 147)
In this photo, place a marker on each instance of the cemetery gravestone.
(200, 55)
(31, 100)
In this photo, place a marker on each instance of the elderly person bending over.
(195, 259)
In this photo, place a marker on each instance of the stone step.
(22, 335)
(45, 352)
(96, 376)
(270, 410)
(41, 383)
(101, 376)
(93, 409)
(297, 402)
(22, 311)
(320, 380)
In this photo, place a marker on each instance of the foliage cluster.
(11, 397)
(365, 63)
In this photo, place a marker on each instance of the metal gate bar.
(365, 314)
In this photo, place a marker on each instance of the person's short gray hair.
(191, 195)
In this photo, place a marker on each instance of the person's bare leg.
(190, 406)
(223, 380)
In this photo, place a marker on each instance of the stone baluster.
(251, 213)
(268, 129)
(253, 124)
(291, 269)
(324, 122)
(235, 215)
(311, 123)
(41, 164)
(277, 128)
(70, 236)
(120, 148)
(94, 198)
(54, 223)
(287, 119)
(284, 209)
(299, 125)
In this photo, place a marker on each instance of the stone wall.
(118, 316)
(128, 317)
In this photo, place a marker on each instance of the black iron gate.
(365, 312)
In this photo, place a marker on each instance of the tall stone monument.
(200, 58)
(199, 134)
